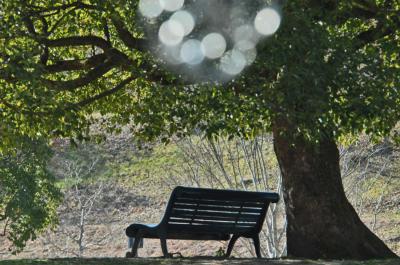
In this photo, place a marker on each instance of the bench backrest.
(223, 211)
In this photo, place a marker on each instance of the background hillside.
(109, 185)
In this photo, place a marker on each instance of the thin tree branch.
(73, 65)
(5, 227)
(58, 22)
(104, 94)
(78, 4)
(127, 38)
(91, 76)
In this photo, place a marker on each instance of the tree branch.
(373, 35)
(29, 25)
(78, 5)
(58, 22)
(68, 85)
(77, 41)
(73, 65)
(5, 227)
(91, 76)
(125, 35)
(104, 94)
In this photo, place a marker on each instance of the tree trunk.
(321, 221)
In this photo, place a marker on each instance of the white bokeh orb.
(245, 45)
(250, 55)
(171, 54)
(233, 62)
(171, 33)
(213, 45)
(185, 19)
(245, 32)
(150, 8)
(248, 49)
(191, 52)
(267, 21)
(172, 5)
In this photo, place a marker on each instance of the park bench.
(207, 214)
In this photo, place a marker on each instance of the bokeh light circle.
(267, 21)
(213, 45)
(233, 62)
(171, 5)
(171, 33)
(245, 45)
(185, 19)
(245, 32)
(248, 49)
(150, 8)
(208, 40)
(191, 52)
(171, 54)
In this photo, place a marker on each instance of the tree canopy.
(331, 66)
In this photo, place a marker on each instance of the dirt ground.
(149, 210)
(194, 261)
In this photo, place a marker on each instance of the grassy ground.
(195, 261)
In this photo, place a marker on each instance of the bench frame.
(225, 198)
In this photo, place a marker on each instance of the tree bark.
(321, 221)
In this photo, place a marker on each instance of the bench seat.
(152, 231)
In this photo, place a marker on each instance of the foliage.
(28, 197)
(331, 68)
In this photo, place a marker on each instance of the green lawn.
(150, 261)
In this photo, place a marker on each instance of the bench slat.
(226, 194)
(211, 218)
(228, 215)
(206, 228)
(201, 201)
(221, 198)
(226, 208)
(211, 223)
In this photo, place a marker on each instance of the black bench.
(208, 214)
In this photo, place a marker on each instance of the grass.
(195, 261)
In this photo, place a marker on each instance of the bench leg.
(135, 246)
(230, 245)
(256, 240)
(164, 247)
